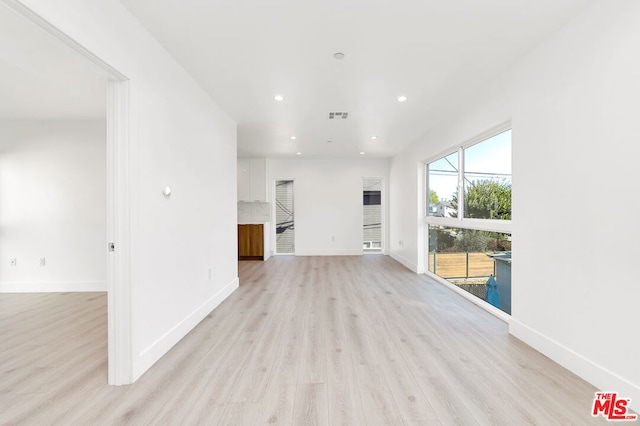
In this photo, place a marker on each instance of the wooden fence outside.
(461, 265)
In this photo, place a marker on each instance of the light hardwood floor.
(304, 341)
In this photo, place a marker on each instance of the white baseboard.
(52, 286)
(340, 252)
(157, 349)
(410, 265)
(593, 373)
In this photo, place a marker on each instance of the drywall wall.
(573, 105)
(183, 248)
(406, 228)
(53, 206)
(328, 201)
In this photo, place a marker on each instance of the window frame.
(493, 225)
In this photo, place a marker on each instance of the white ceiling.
(433, 51)
(41, 78)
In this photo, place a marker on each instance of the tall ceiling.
(42, 78)
(435, 52)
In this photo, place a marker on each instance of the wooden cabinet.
(251, 242)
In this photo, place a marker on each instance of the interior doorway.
(67, 91)
(372, 212)
(285, 219)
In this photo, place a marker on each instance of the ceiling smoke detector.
(336, 115)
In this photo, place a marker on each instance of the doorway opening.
(285, 229)
(61, 48)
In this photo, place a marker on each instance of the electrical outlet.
(333, 238)
(13, 261)
(43, 261)
(210, 274)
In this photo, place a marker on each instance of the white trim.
(337, 252)
(491, 225)
(404, 261)
(587, 369)
(422, 243)
(52, 286)
(461, 187)
(120, 348)
(99, 66)
(488, 134)
(160, 347)
(470, 297)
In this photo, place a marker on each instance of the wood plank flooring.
(304, 341)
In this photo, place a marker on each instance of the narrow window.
(285, 231)
(372, 215)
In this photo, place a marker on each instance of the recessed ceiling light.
(293, 138)
(401, 98)
(279, 98)
(373, 138)
(298, 153)
(361, 152)
(338, 55)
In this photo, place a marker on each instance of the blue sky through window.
(489, 159)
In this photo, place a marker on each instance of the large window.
(468, 216)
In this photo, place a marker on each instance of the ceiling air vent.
(338, 115)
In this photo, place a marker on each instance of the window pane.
(443, 186)
(469, 257)
(487, 178)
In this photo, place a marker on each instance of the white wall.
(328, 201)
(573, 103)
(406, 235)
(178, 137)
(53, 205)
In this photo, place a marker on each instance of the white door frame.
(120, 357)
